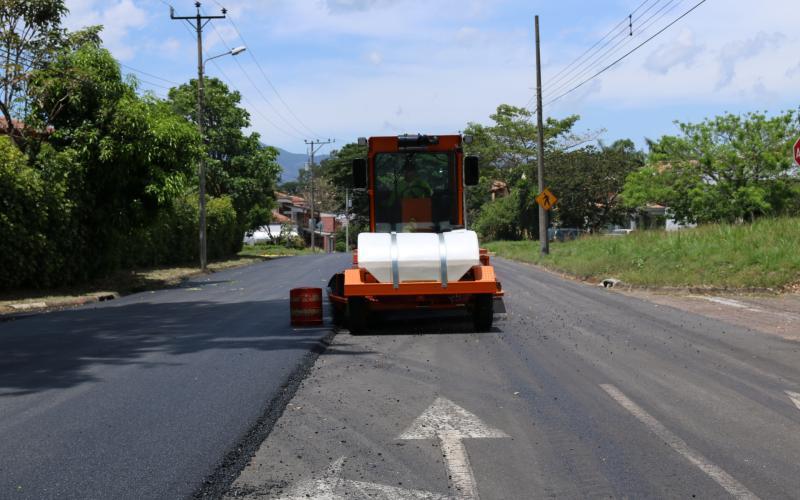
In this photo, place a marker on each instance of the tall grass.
(764, 254)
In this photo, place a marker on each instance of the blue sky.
(350, 68)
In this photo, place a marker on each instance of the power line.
(692, 9)
(266, 78)
(588, 53)
(622, 23)
(256, 108)
(145, 73)
(230, 84)
(257, 88)
(651, 21)
(142, 80)
(587, 68)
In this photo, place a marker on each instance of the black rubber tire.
(338, 310)
(482, 312)
(338, 314)
(357, 315)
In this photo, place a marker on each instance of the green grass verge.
(765, 254)
(264, 250)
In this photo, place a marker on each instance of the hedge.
(43, 243)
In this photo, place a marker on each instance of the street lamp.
(202, 173)
(233, 52)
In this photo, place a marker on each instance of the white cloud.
(358, 67)
(116, 17)
(171, 46)
(731, 71)
(340, 6)
(218, 37)
(467, 34)
(375, 57)
(734, 52)
(683, 50)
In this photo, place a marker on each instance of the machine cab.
(415, 182)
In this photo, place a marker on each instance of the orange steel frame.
(359, 283)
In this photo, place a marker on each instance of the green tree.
(337, 170)
(31, 37)
(729, 168)
(589, 181)
(238, 165)
(508, 152)
(121, 156)
(289, 187)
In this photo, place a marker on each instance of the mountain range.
(293, 162)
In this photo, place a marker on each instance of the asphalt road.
(149, 395)
(579, 392)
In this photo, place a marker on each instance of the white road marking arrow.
(333, 487)
(795, 397)
(450, 424)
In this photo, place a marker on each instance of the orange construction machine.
(418, 253)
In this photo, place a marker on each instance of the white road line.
(730, 303)
(731, 485)
(450, 424)
(795, 397)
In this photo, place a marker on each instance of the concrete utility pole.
(198, 22)
(543, 241)
(311, 151)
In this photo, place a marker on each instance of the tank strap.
(443, 260)
(395, 265)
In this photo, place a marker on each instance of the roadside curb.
(18, 309)
(22, 309)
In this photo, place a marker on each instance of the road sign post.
(796, 151)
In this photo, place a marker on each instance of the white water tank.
(419, 255)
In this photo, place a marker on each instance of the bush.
(499, 219)
(296, 242)
(172, 237)
(33, 212)
(224, 232)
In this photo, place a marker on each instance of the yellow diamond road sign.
(546, 199)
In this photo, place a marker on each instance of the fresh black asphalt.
(149, 395)
(718, 390)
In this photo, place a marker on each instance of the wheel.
(338, 313)
(482, 312)
(357, 315)
(338, 310)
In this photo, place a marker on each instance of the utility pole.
(198, 22)
(311, 151)
(543, 241)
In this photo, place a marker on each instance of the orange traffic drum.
(306, 306)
